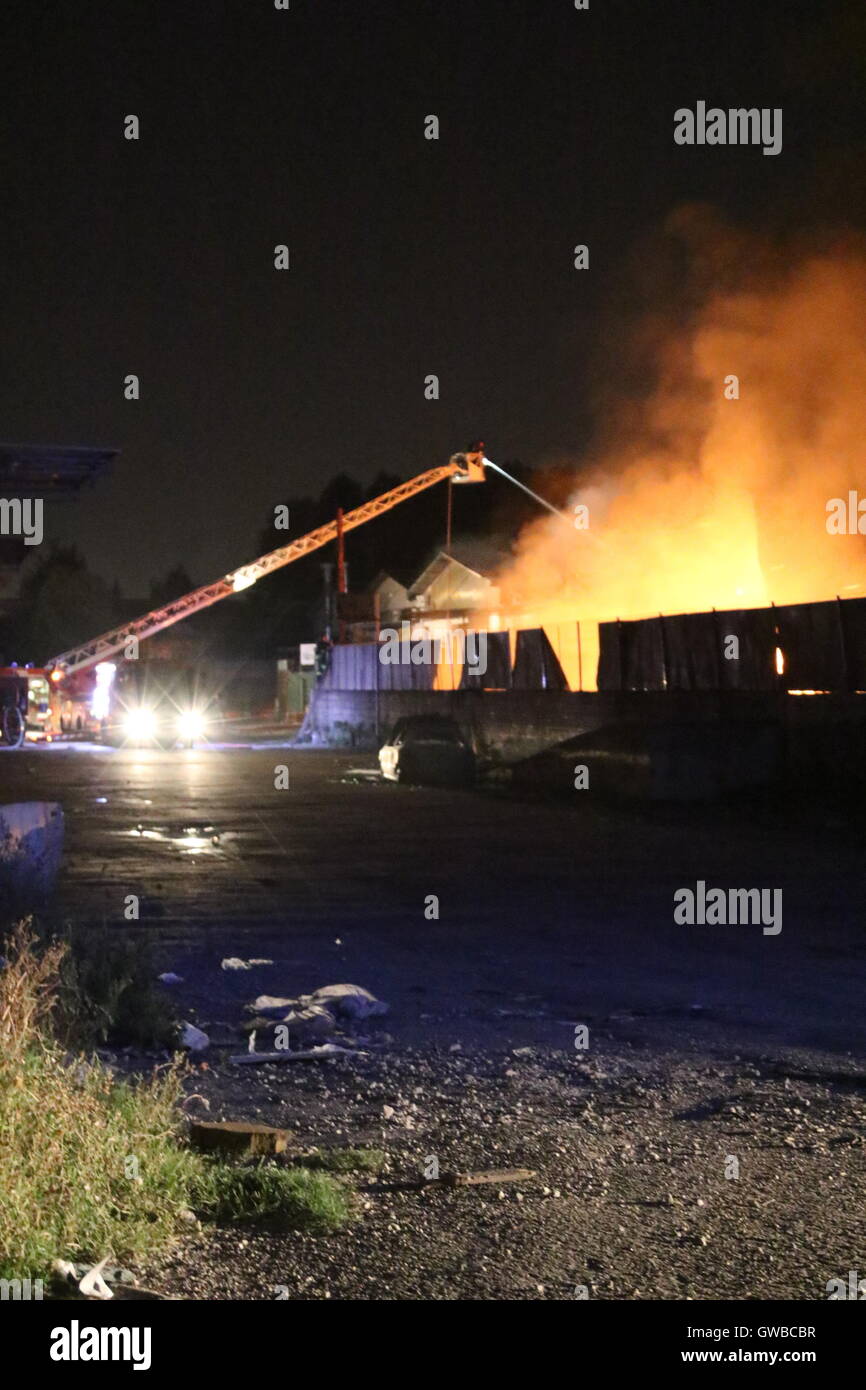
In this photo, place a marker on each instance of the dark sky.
(408, 256)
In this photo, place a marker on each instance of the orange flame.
(713, 491)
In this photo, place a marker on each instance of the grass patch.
(347, 1160)
(90, 1166)
(284, 1198)
(108, 992)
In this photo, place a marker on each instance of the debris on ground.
(238, 1137)
(347, 1001)
(315, 1021)
(194, 1038)
(311, 1054)
(93, 1285)
(341, 1001)
(482, 1178)
(169, 978)
(100, 1283)
(235, 963)
(479, 1179)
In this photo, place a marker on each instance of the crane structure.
(461, 468)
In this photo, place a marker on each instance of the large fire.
(709, 491)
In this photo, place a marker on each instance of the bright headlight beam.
(139, 723)
(191, 724)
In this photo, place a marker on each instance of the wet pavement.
(495, 928)
(471, 895)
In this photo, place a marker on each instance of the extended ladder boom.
(465, 467)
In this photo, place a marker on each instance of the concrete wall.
(824, 736)
(515, 723)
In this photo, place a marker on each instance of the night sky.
(408, 256)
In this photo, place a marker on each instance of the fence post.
(665, 682)
(847, 682)
(718, 645)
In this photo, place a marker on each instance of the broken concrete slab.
(238, 1137)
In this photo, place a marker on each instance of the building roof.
(478, 558)
(33, 470)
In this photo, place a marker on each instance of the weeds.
(89, 1166)
(283, 1198)
(93, 1166)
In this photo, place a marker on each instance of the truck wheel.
(13, 726)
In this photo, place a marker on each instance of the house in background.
(382, 604)
(454, 586)
(451, 591)
(392, 596)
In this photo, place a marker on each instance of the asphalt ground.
(494, 927)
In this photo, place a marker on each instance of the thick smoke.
(697, 500)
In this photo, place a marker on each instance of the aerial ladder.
(461, 468)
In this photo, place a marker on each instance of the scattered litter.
(340, 1001)
(306, 1023)
(203, 1100)
(235, 962)
(194, 1038)
(313, 1022)
(312, 1054)
(485, 1175)
(478, 1179)
(169, 978)
(347, 1001)
(102, 1282)
(270, 1006)
(93, 1285)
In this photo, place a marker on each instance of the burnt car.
(428, 749)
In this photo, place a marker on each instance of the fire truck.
(76, 693)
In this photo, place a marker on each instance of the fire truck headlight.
(191, 724)
(139, 723)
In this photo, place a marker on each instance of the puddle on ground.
(189, 838)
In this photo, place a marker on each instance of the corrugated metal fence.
(808, 647)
